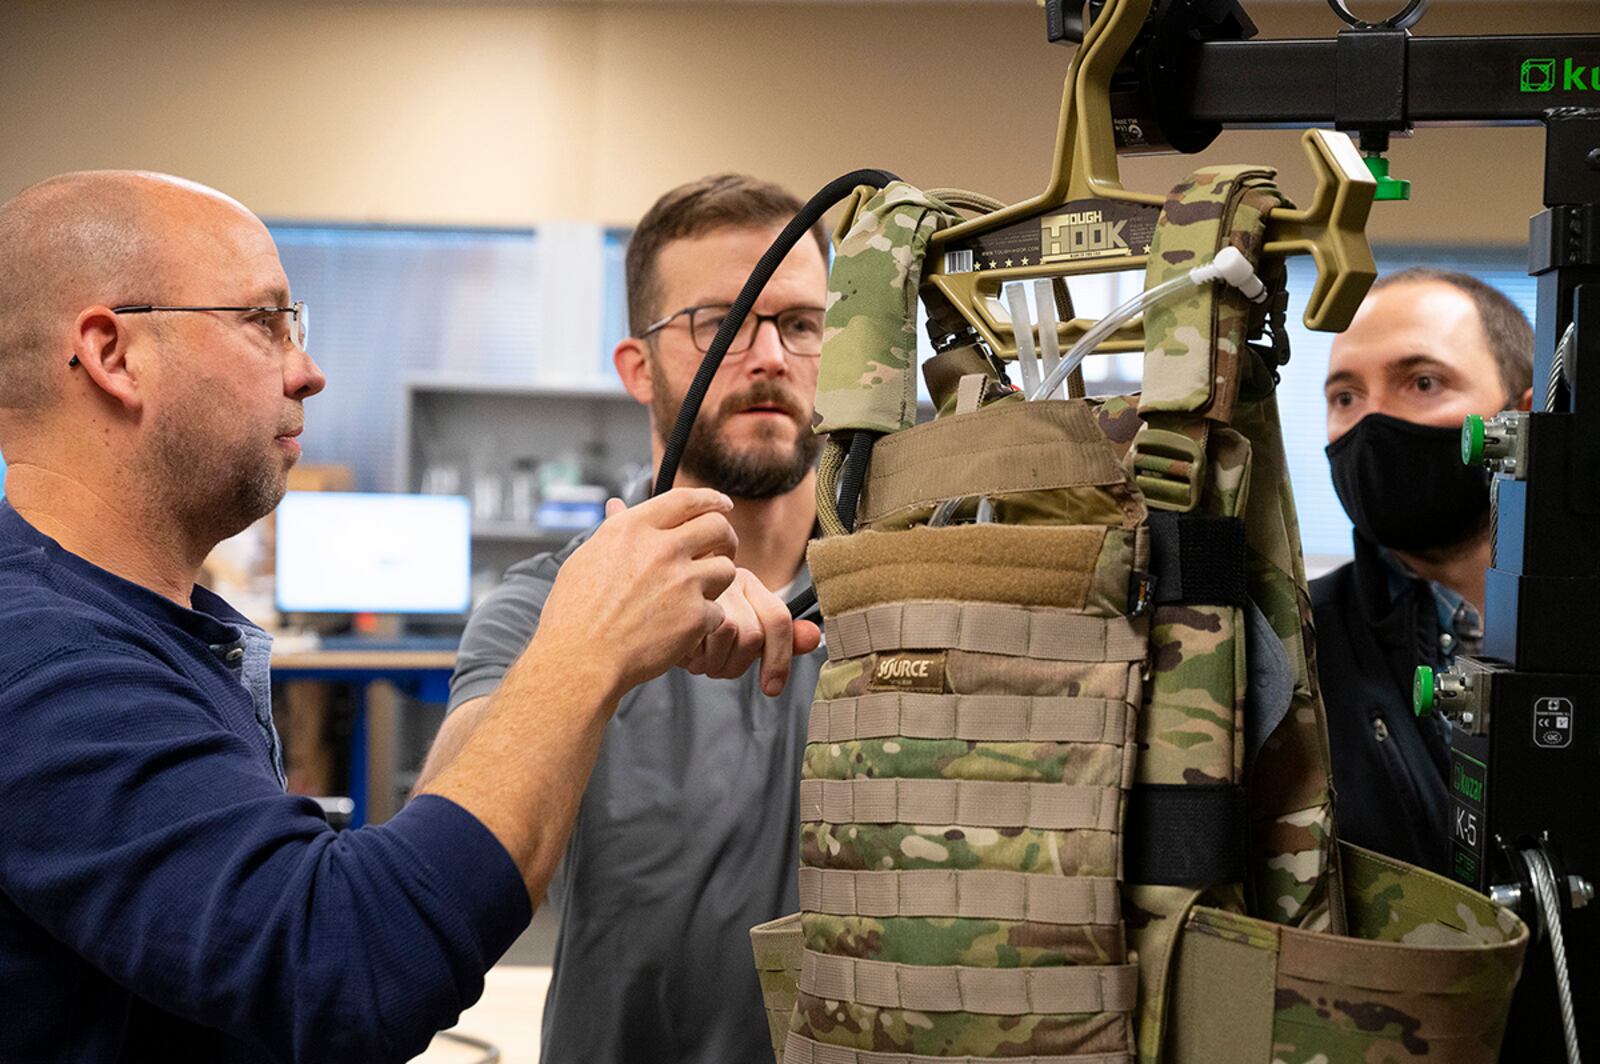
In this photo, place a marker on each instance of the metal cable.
(771, 259)
(812, 212)
(1494, 523)
(1558, 392)
(1544, 893)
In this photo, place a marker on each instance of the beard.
(766, 469)
(213, 490)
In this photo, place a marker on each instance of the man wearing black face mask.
(1426, 349)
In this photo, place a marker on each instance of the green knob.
(1389, 188)
(1422, 692)
(1472, 440)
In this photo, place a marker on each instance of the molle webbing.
(979, 803)
(984, 718)
(802, 1050)
(925, 789)
(975, 895)
(954, 988)
(985, 628)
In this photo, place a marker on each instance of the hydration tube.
(1228, 265)
(860, 450)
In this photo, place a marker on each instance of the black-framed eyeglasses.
(799, 328)
(279, 323)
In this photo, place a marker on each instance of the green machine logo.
(1543, 75)
(1538, 75)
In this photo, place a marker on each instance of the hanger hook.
(1404, 20)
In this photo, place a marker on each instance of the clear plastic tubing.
(1228, 266)
(1044, 298)
(1022, 330)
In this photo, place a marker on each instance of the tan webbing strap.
(971, 803)
(985, 628)
(969, 392)
(1008, 447)
(1384, 966)
(799, 1049)
(1220, 1006)
(952, 988)
(980, 718)
(974, 895)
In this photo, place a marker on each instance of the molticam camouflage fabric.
(995, 692)
(872, 309)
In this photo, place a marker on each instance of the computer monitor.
(348, 552)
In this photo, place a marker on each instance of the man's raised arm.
(629, 604)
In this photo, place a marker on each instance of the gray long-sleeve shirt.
(687, 836)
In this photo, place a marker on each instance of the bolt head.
(1593, 158)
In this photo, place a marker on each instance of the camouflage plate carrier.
(1066, 794)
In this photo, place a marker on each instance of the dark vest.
(1388, 766)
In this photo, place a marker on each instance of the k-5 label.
(1565, 75)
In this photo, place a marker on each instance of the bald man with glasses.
(161, 896)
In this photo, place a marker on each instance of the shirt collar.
(1458, 618)
(211, 619)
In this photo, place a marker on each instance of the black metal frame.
(1193, 72)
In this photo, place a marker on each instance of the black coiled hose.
(861, 443)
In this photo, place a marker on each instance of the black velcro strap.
(1197, 559)
(1185, 835)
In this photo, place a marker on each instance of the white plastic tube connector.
(1231, 267)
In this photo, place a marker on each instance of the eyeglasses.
(799, 328)
(279, 323)
(291, 321)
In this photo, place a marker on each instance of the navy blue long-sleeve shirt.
(160, 894)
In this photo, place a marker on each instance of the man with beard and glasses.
(161, 896)
(1426, 349)
(688, 834)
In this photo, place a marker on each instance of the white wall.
(515, 113)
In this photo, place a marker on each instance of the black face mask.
(1404, 485)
